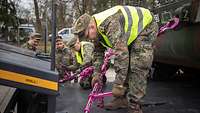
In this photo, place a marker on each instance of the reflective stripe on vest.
(80, 55)
(79, 58)
(136, 19)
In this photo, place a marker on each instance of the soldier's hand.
(118, 90)
(95, 79)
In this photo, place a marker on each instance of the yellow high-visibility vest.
(136, 19)
(80, 55)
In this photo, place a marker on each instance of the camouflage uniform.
(141, 57)
(138, 56)
(32, 36)
(87, 58)
(133, 62)
(29, 47)
(64, 60)
(88, 52)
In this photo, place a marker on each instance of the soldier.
(64, 57)
(84, 57)
(33, 42)
(130, 32)
(26, 97)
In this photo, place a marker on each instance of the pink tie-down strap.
(97, 92)
(83, 74)
(169, 25)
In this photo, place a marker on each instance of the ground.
(179, 95)
(174, 96)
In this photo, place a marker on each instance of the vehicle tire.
(163, 72)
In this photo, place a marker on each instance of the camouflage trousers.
(140, 61)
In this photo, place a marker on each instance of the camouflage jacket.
(113, 27)
(29, 47)
(65, 60)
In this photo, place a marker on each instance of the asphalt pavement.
(179, 95)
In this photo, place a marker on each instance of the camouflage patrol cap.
(81, 23)
(72, 42)
(58, 38)
(36, 36)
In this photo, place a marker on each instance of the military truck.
(177, 50)
(27, 84)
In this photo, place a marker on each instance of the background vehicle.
(25, 30)
(66, 33)
(21, 33)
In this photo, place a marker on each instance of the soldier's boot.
(117, 103)
(134, 107)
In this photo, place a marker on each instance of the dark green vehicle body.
(178, 49)
(180, 46)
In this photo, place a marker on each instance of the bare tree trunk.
(38, 22)
(77, 8)
(133, 2)
(84, 6)
(194, 10)
(120, 2)
(61, 16)
(87, 6)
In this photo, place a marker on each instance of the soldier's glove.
(95, 79)
(118, 90)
